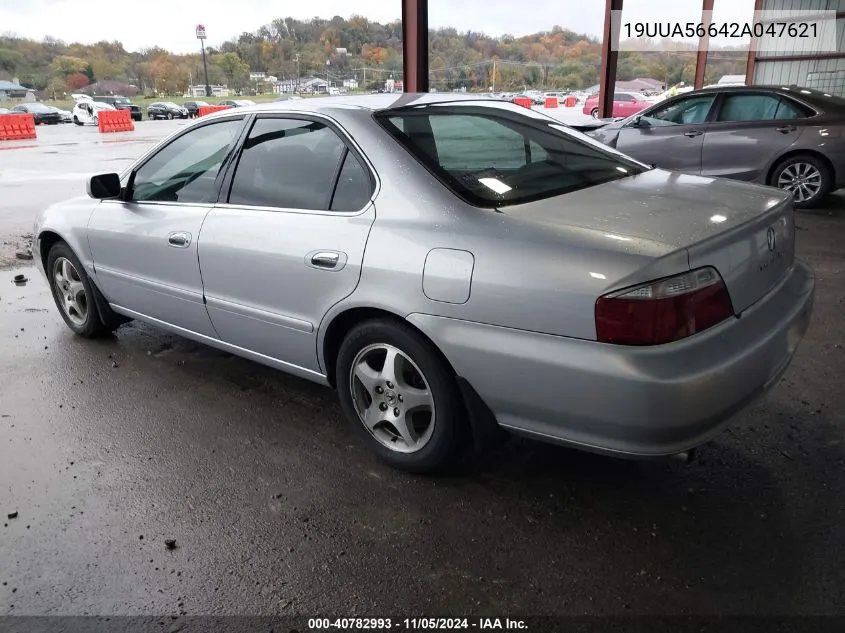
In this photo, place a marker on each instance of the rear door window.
(748, 107)
(294, 164)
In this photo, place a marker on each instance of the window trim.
(346, 139)
(130, 171)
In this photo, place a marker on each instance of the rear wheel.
(75, 295)
(76, 120)
(595, 113)
(169, 116)
(400, 395)
(806, 177)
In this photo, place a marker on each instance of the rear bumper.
(632, 401)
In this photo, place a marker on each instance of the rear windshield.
(491, 155)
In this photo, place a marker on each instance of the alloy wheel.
(392, 398)
(71, 291)
(803, 180)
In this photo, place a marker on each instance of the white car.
(85, 111)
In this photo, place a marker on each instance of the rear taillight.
(665, 310)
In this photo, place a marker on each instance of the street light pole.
(201, 38)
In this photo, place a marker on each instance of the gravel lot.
(108, 448)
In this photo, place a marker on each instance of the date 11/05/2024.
(416, 624)
(726, 29)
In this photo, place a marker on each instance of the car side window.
(354, 187)
(287, 163)
(689, 111)
(186, 169)
(748, 107)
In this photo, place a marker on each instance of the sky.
(170, 23)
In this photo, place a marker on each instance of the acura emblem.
(771, 238)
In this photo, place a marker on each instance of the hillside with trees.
(345, 48)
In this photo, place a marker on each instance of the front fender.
(67, 221)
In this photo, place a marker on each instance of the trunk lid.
(745, 231)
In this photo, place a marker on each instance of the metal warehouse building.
(799, 66)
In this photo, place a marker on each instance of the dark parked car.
(791, 138)
(237, 103)
(166, 110)
(122, 103)
(42, 113)
(193, 107)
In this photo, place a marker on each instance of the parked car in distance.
(66, 115)
(787, 137)
(43, 114)
(289, 98)
(85, 111)
(237, 103)
(624, 104)
(417, 314)
(121, 103)
(4, 110)
(166, 110)
(193, 107)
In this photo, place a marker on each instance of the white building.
(198, 92)
(351, 84)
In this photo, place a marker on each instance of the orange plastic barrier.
(525, 102)
(14, 127)
(203, 110)
(115, 121)
(551, 102)
(570, 101)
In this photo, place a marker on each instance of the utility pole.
(328, 63)
(297, 73)
(201, 38)
(493, 87)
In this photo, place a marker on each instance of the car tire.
(807, 177)
(76, 121)
(595, 113)
(169, 116)
(374, 400)
(67, 278)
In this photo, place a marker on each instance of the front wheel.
(74, 293)
(595, 113)
(76, 120)
(806, 177)
(400, 395)
(169, 116)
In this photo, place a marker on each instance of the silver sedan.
(453, 267)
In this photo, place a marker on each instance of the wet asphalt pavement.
(108, 448)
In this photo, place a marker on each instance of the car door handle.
(786, 129)
(693, 133)
(179, 239)
(325, 259)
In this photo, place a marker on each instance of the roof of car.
(365, 102)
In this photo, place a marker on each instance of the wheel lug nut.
(383, 406)
(389, 385)
(379, 389)
(396, 412)
(401, 399)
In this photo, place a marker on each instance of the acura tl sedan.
(786, 137)
(453, 267)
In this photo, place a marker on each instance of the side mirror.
(104, 186)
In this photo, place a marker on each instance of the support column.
(752, 54)
(415, 45)
(703, 44)
(609, 58)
